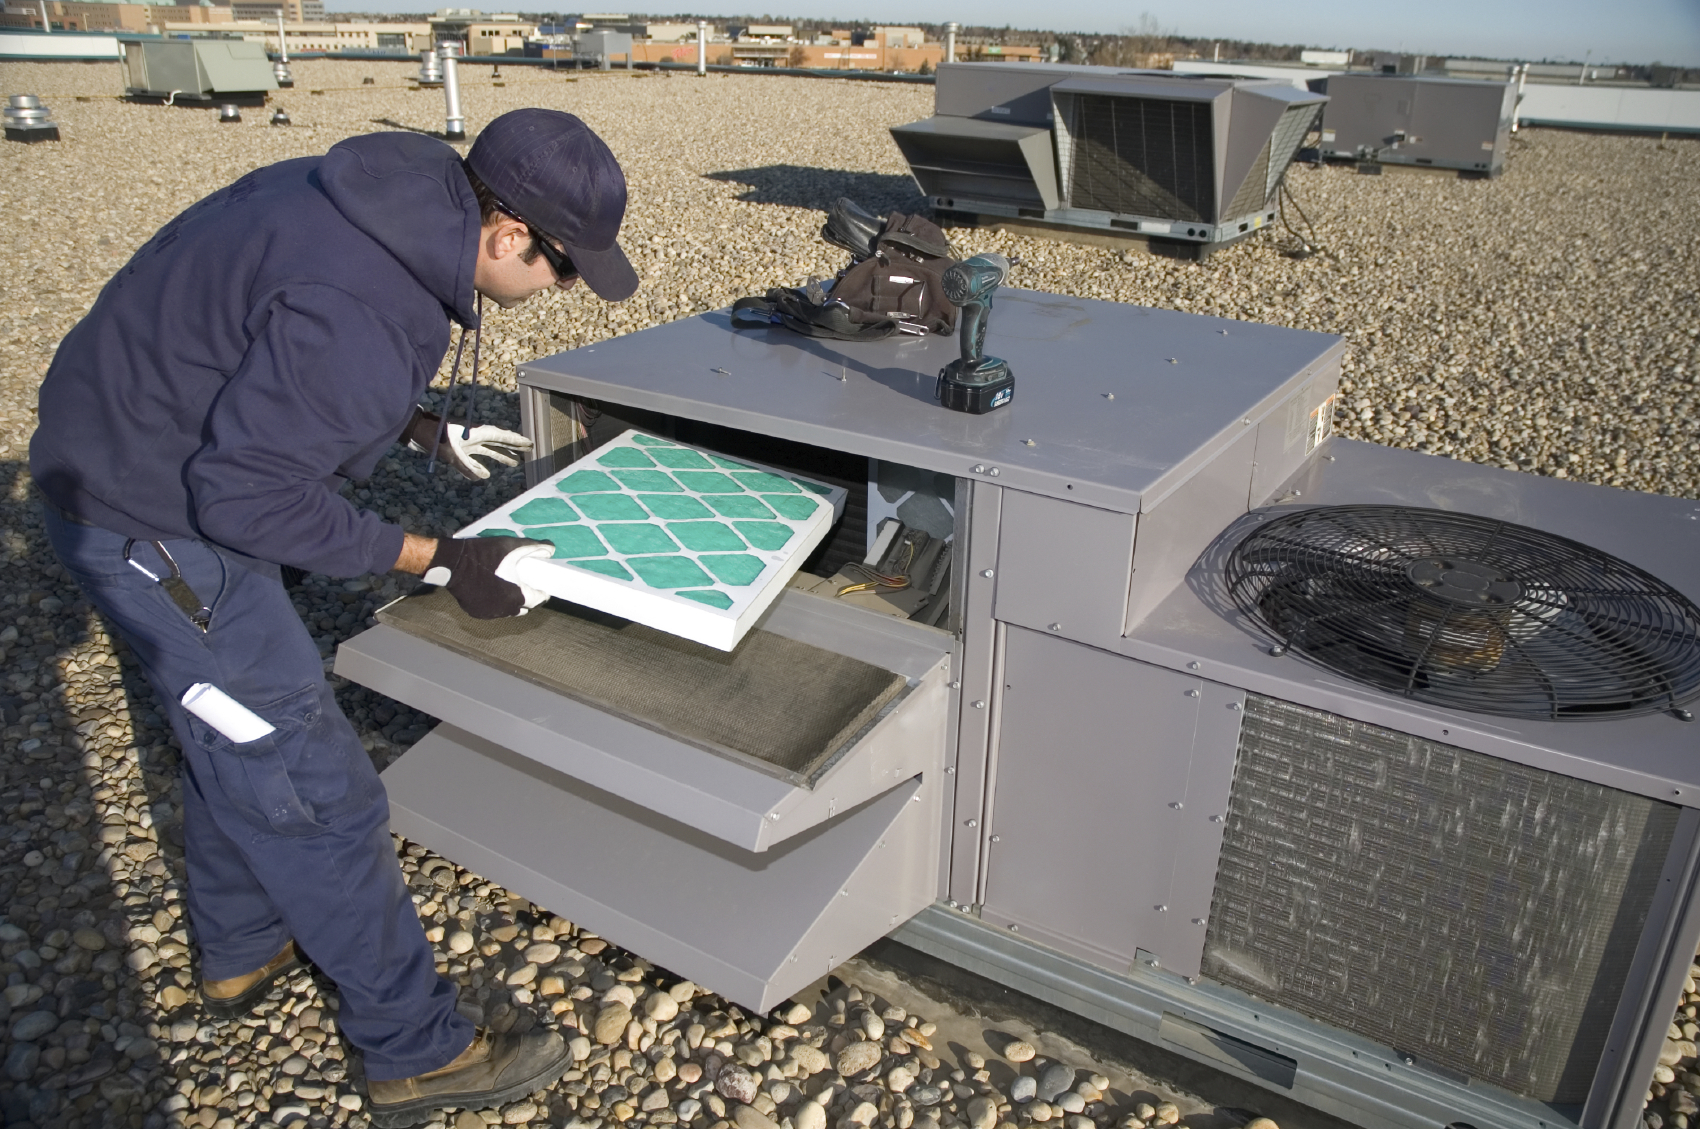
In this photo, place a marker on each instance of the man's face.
(502, 274)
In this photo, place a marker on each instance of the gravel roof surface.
(1546, 320)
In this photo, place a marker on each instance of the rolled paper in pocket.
(225, 714)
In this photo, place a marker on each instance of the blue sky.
(1638, 31)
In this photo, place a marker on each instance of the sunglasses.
(558, 260)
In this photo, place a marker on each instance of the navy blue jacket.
(262, 347)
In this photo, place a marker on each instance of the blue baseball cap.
(551, 170)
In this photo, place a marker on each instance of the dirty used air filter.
(1476, 915)
(1469, 613)
(783, 707)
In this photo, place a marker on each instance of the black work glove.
(461, 443)
(472, 569)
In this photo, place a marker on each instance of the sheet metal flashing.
(1132, 384)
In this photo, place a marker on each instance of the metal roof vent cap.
(430, 69)
(27, 119)
(281, 72)
(229, 112)
(280, 116)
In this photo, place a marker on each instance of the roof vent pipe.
(280, 69)
(430, 68)
(950, 31)
(229, 113)
(455, 129)
(28, 120)
(702, 48)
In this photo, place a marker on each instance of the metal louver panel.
(1143, 156)
(1265, 173)
(1478, 915)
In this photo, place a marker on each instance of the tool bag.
(894, 286)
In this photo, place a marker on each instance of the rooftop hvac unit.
(1363, 775)
(217, 70)
(1178, 157)
(1443, 123)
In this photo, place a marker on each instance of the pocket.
(299, 778)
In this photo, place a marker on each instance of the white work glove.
(479, 574)
(461, 446)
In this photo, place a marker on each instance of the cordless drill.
(975, 382)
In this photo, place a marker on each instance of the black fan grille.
(1469, 612)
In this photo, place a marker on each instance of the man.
(266, 345)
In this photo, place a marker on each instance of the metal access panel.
(1446, 123)
(754, 927)
(1141, 759)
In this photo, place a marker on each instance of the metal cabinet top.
(1114, 403)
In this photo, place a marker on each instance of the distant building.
(84, 15)
(294, 11)
(1326, 58)
(395, 38)
(498, 33)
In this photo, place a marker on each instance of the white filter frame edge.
(703, 624)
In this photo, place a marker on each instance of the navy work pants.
(287, 836)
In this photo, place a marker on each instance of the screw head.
(1015, 928)
(986, 572)
(980, 705)
(993, 472)
(971, 823)
(1055, 627)
(997, 838)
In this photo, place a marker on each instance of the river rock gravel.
(1545, 320)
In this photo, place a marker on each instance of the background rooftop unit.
(1176, 157)
(1444, 123)
(200, 71)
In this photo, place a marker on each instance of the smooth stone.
(797, 1014)
(88, 939)
(460, 941)
(899, 1079)
(543, 952)
(926, 1095)
(665, 1071)
(1262, 1123)
(737, 1084)
(611, 1021)
(690, 1073)
(519, 1113)
(749, 1117)
(294, 1066)
(982, 1112)
(811, 1060)
(688, 1109)
(1039, 1111)
(1053, 1080)
(809, 1115)
(172, 997)
(858, 1057)
(873, 1026)
(1024, 1088)
(620, 994)
(580, 1048)
(466, 1119)
(1019, 1051)
(1071, 1102)
(683, 991)
(1131, 1121)
(33, 1026)
(660, 1006)
(21, 1061)
(1168, 1113)
(1076, 1121)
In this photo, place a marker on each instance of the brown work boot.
(493, 1071)
(227, 999)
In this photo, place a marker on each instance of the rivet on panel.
(1215, 819)
(1192, 693)
(993, 472)
(1015, 928)
(1198, 921)
(986, 572)
(971, 823)
(1176, 804)
(1055, 627)
(979, 468)
(997, 838)
(980, 705)
(950, 770)
(956, 685)
(1162, 909)
(1235, 706)
(1194, 665)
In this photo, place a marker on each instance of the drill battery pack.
(977, 389)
